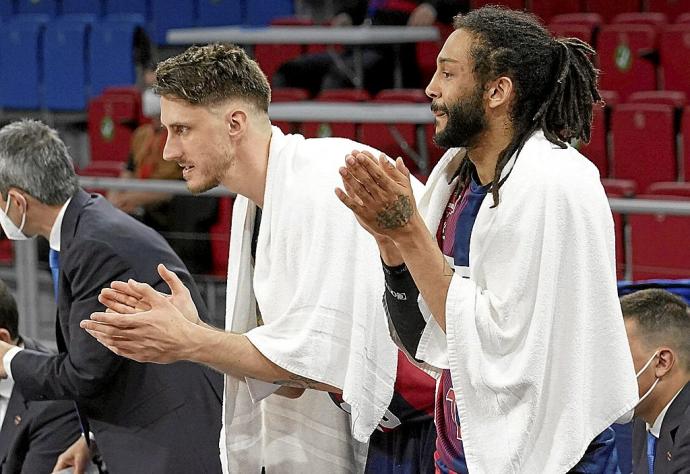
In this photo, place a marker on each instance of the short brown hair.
(211, 74)
(662, 319)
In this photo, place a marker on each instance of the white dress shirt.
(54, 242)
(655, 429)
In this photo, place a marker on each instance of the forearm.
(428, 266)
(400, 301)
(235, 355)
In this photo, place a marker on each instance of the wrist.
(410, 232)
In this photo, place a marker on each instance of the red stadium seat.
(675, 99)
(673, 188)
(685, 140)
(655, 19)
(659, 241)
(597, 150)
(635, 155)
(271, 56)
(288, 94)
(674, 52)
(220, 237)
(340, 129)
(593, 20)
(683, 17)
(567, 30)
(624, 58)
(546, 9)
(395, 140)
(620, 188)
(672, 8)
(609, 9)
(6, 251)
(112, 117)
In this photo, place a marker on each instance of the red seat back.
(288, 94)
(619, 188)
(220, 237)
(336, 129)
(674, 52)
(622, 51)
(546, 9)
(672, 8)
(112, 117)
(635, 155)
(685, 140)
(608, 9)
(675, 99)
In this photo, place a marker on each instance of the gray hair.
(34, 159)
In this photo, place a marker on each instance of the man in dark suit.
(33, 434)
(144, 417)
(658, 327)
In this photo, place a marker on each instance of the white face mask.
(656, 381)
(627, 417)
(12, 231)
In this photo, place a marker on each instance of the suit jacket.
(673, 446)
(147, 418)
(34, 434)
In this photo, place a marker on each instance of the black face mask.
(465, 120)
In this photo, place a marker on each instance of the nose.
(431, 89)
(172, 149)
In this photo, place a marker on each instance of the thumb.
(172, 280)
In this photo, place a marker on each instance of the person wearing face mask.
(658, 327)
(134, 411)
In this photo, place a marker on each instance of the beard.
(465, 121)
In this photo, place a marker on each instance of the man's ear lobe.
(500, 91)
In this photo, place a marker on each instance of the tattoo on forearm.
(297, 381)
(396, 214)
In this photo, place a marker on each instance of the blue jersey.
(454, 239)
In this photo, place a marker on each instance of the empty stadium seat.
(655, 19)
(219, 12)
(672, 8)
(113, 37)
(566, 30)
(288, 94)
(635, 155)
(625, 58)
(597, 150)
(168, 14)
(608, 9)
(672, 188)
(579, 25)
(141, 7)
(674, 52)
(6, 10)
(395, 139)
(620, 188)
(112, 117)
(271, 56)
(65, 54)
(675, 99)
(683, 18)
(261, 12)
(546, 9)
(93, 7)
(659, 241)
(46, 7)
(590, 19)
(336, 129)
(21, 71)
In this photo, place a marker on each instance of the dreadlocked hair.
(554, 80)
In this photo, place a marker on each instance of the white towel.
(319, 283)
(535, 338)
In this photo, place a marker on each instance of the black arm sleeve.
(400, 301)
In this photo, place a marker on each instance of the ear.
(667, 359)
(5, 336)
(236, 121)
(499, 92)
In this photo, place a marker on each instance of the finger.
(348, 201)
(117, 320)
(61, 464)
(123, 287)
(355, 189)
(391, 169)
(400, 165)
(371, 171)
(120, 302)
(172, 280)
(148, 294)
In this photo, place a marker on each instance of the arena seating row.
(59, 63)
(160, 15)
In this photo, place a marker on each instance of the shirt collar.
(7, 384)
(54, 240)
(655, 429)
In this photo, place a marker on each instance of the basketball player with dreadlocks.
(501, 276)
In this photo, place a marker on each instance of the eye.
(180, 129)
(446, 75)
